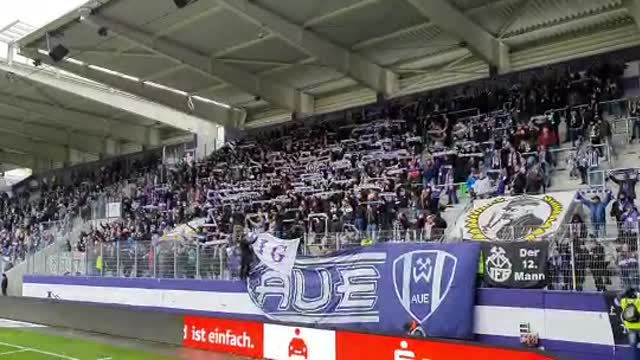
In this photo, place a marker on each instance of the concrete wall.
(118, 321)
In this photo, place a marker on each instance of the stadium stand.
(395, 171)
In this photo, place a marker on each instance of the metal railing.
(596, 263)
(136, 259)
(580, 258)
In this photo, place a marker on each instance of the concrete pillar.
(111, 148)
(75, 157)
(153, 136)
(209, 137)
(41, 165)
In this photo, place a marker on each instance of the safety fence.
(580, 257)
(591, 264)
(164, 259)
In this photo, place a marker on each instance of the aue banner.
(378, 288)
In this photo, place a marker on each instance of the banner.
(277, 254)
(520, 265)
(378, 288)
(185, 231)
(114, 210)
(516, 218)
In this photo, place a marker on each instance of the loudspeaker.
(58, 53)
(493, 71)
(181, 3)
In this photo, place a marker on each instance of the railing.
(193, 260)
(166, 259)
(580, 258)
(607, 262)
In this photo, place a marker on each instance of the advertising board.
(366, 346)
(281, 342)
(289, 342)
(244, 338)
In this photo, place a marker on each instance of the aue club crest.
(422, 280)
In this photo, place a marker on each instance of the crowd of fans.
(392, 166)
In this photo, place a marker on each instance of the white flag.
(278, 254)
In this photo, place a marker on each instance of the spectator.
(576, 127)
(618, 209)
(577, 229)
(483, 187)
(628, 263)
(598, 264)
(5, 284)
(598, 212)
(246, 254)
(626, 185)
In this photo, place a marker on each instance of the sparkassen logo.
(422, 280)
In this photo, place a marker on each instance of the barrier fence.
(166, 259)
(580, 257)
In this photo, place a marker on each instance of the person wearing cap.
(598, 208)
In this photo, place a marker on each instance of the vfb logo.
(422, 280)
(498, 265)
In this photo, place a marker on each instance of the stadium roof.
(49, 117)
(255, 62)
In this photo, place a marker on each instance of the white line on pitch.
(13, 352)
(38, 351)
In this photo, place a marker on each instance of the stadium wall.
(246, 338)
(577, 325)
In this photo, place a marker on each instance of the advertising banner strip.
(244, 338)
(364, 346)
(276, 342)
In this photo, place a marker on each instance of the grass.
(23, 344)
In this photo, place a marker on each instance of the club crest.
(422, 280)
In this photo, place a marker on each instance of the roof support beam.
(84, 143)
(174, 101)
(38, 148)
(281, 95)
(633, 6)
(137, 106)
(23, 160)
(43, 113)
(478, 40)
(344, 61)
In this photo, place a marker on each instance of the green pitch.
(23, 344)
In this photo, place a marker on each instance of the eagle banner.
(517, 218)
(515, 265)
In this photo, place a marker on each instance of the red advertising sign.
(351, 346)
(226, 336)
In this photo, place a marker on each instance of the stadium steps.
(36, 263)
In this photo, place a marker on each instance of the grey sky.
(35, 12)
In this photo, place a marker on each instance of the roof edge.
(56, 24)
